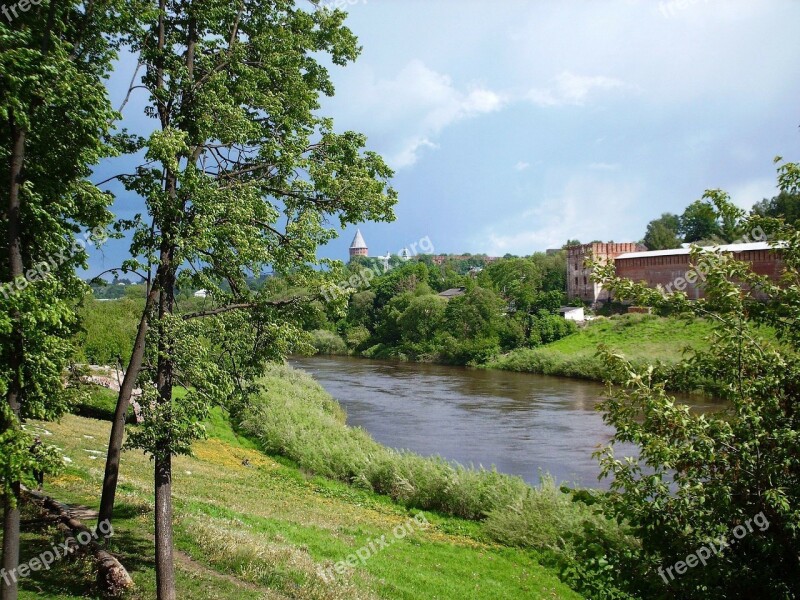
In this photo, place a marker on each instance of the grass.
(249, 526)
(296, 418)
(644, 339)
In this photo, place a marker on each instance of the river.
(523, 424)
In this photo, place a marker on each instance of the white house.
(201, 293)
(572, 313)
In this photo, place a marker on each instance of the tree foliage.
(701, 478)
(662, 233)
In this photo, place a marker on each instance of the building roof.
(686, 251)
(453, 292)
(566, 309)
(358, 241)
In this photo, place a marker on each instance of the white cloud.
(414, 106)
(571, 89)
(409, 153)
(587, 208)
(522, 166)
(747, 193)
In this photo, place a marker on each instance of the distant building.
(453, 292)
(579, 282)
(670, 269)
(572, 313)
(440, 259)
(358, 247)
(201, 293)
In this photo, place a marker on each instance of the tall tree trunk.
(111, 476)
(11, 520)
(165, 573)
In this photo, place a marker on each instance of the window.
(576, 281)
(584, 280)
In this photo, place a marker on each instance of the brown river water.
(522, 424)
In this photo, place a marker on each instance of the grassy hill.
(641, 338)
(251, 526)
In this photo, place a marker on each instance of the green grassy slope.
(247, 526)
(641, 338)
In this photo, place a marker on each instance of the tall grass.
(296, 418)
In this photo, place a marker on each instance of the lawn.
(249, 526)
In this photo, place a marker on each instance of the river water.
(522, 424)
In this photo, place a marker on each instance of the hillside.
(249, 526)
(641, 338)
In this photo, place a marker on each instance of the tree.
(662, 233)
(785, 206)
(420, 322)
(730, 476)
(241, 174)
(699, 222)
(516, 279)
(476, 314)
(554, 270)
(54, 113)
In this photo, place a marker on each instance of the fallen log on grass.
(112, 578)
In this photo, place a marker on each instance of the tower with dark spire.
(359, 246)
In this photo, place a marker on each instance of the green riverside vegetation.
(644, 339)
(251, 526)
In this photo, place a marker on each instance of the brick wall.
(579, 283)
(671, 271)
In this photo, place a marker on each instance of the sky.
(515, 125)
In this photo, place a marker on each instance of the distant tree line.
(701, 224)
(507, 304)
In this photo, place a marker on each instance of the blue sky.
(515, 125)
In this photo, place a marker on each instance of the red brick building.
(670, 269)
(579, 282)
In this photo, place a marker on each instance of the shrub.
(327, 342)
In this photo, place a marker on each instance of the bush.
(357, 337)
(99, 403)
(327, 342)
(470, 351)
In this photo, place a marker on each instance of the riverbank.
(253, 526)
(642, 339)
